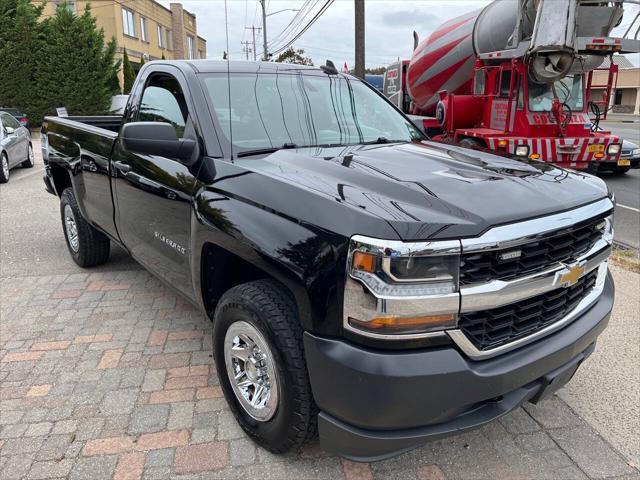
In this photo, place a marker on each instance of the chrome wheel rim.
(5, 167)
(71, 228)
(251, 370)
(32, 158)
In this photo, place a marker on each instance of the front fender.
(309, 261)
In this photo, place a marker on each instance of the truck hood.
(431, 190)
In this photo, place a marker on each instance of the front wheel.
(31, 159)
(4, 168)
(88, 247)
(257, 344)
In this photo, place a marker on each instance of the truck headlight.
(522, 151)
(613, 149)
(606, 227)
(635, 152)
(393, 272)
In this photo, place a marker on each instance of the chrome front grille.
(493, 328)
(564, 246)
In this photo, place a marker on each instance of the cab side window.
(505, 83)
(163, 101)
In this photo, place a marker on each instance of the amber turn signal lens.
(534, 156)
(502, 143)
(599, 155)
(363, 261)
(395, 323)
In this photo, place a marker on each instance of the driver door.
(153, 193)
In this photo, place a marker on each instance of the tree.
(77, 66)
(163, 57)
(142, 62)
(291, 55)
(20, 53)
(128, 74)
(114, 80)
(376, 70)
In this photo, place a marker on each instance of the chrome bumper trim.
(461, 340)
(503, 292)
(528, 231)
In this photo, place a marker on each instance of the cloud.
(388, 26)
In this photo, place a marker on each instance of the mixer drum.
(446, 60)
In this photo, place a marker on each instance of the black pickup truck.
(363, 281)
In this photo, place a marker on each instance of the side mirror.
(156, 138)
(9, 130)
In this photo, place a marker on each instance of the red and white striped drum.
(446, 60)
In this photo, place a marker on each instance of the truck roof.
(217, 66)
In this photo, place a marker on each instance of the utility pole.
(246, 48)
(359, 10)
(253, 31)
(265, 54)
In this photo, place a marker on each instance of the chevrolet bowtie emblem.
(569, 275)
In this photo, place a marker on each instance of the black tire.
(90, 247)
(4, 168)
(471, 143)
(621, 170)
(28, 163)
(268, 307)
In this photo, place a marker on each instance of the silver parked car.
(15, 146)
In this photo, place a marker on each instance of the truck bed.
(82, 147)
(105, 122)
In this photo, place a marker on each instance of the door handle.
(122, 167)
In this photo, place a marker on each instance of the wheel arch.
(61, 178)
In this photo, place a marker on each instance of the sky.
(389, 26)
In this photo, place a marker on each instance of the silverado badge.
(570, 275)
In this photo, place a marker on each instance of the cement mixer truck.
(515, 77)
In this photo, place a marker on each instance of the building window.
(143, 29)
(189, 47)
(128, 22)
(169, 40)
(69, 4)
(160, 36)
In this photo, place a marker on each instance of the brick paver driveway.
(110, 375)
(107, 374)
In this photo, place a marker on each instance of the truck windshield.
(267, 111)
(568, 90)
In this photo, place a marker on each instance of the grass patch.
(626, 258)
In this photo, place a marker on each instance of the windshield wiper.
(382, 140)
(260, 151)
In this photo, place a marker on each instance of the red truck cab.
(509, 113)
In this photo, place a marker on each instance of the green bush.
(61, 61)
(128, 74)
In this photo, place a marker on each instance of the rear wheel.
(4, 168)
(31, 159)
(257, 344)
(88, 247)
(621, 170)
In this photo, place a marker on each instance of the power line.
(324, 8)
(299, 17)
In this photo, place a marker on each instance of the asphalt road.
(627, 190)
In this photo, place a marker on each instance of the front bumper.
(378, 404)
